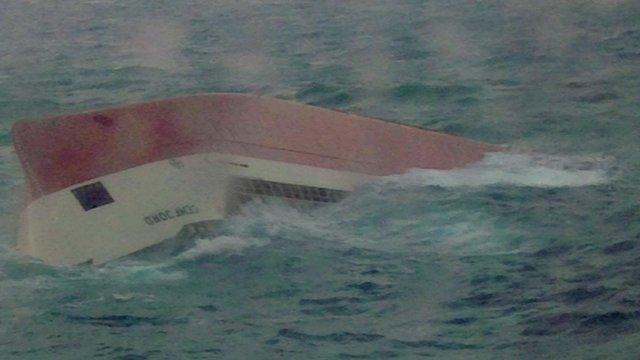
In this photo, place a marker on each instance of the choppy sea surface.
(530, 254)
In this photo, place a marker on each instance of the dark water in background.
(534, 255)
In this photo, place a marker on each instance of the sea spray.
(220, 244)
(532, 170)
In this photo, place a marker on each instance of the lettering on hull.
(169, 214)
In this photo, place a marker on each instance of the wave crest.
(220, 244)
(514, 169)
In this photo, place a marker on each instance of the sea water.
(533, 253)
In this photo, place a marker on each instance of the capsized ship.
(107, 183)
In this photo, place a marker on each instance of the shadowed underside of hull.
(106, 183)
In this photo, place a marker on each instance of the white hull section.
(118, 214)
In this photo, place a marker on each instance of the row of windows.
(290, 191)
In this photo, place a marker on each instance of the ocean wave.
(536, 170)
(134, 271)
(220, 244)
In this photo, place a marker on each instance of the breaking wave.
(514, 169)
(220, 244)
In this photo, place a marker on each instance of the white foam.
(124, 297)
(273, 217)
(513, 169)
(128, 270)
(220, 244)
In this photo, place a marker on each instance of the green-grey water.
(530, 254)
